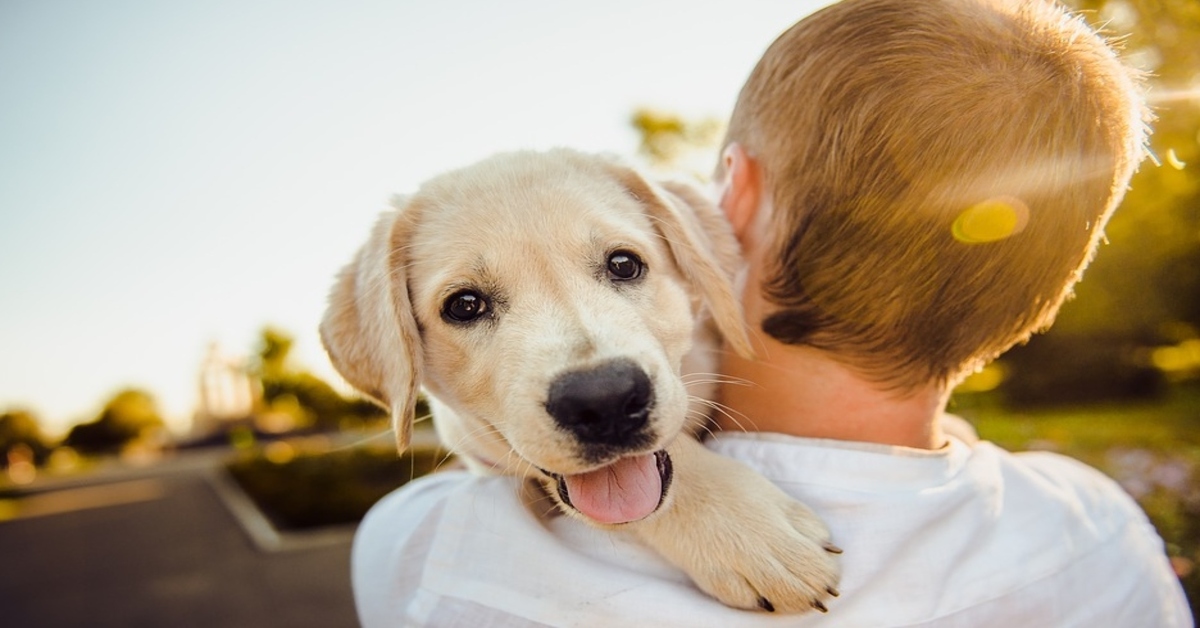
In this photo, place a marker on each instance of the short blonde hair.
(940, 171)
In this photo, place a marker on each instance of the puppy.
(552, 306)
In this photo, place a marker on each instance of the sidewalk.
(159, 546)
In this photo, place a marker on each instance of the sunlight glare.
(1178, 358)
(1174, 160)
(279, 452)
(991, 220)
(1159, 97)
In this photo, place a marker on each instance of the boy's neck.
(803, 392)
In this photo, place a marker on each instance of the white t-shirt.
(969, 535)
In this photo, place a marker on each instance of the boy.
(916, 186)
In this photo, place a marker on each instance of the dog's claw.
(832, 591)
(819, 606)
(832, 549)
(786, 569)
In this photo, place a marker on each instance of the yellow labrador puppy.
(552, 306)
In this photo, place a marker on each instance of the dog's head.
(545, 301)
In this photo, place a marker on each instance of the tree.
(1142, 293)
(275, 346)
(310, 400)
(1144, 281)
(672, 142)
(129, 415)
(20, 428)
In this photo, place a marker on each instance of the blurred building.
(229, 392)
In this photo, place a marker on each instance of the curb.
(262, 533)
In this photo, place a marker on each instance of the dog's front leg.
(739, 537)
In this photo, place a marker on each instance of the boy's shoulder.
(990, 533)
(1037, 478)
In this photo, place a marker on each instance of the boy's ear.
(740, 190)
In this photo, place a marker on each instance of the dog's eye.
(464, 307)
(624, 266)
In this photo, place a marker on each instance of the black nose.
(607, 405)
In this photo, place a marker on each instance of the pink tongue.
(626, 490)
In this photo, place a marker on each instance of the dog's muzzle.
(627, 490)
(606, 407)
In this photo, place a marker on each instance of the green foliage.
(1145, 282)
(310, 400)
(129, 415)
(20, 428)
(1143, 291)
(275, 345)
(318, 488)
(1062, 368)
(673, 142)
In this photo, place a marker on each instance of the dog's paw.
(740, 538)
(782, 561)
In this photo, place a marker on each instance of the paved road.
(159, 550)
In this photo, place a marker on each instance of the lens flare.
(991, 220)
(1174, 160)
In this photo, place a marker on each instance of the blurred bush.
(1062, 369)
(130, 415)
(20, 431)
(298, 485)
(1141, 295)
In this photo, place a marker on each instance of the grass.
(1087, 431)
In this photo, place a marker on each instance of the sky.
(174, 174)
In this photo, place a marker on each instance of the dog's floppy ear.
(369, 330)
(703, 245)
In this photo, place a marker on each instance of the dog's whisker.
(512, 464)
(703, 423)
(707, 431)
(699, 418)
(509, 464)
(727, 412)
(475, 433)
(359, 442)
(713, 378)
(708, 382)
(449, 455)
(481, 430)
